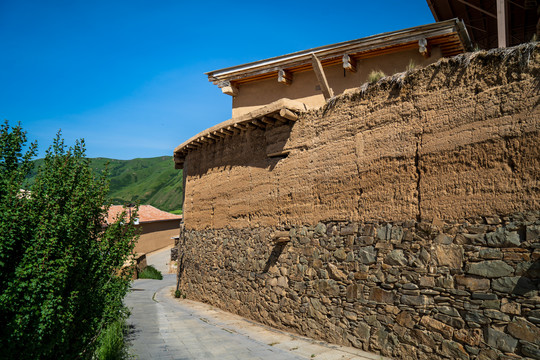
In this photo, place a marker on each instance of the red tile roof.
(147, 213)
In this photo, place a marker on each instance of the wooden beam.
(230, 90)
(424, 48)
(321, 77)
(478, 8)
(227, 132)
(349, 63)
(279, 118)
(288, 114)
(234, 130)
(285, 77)
(279, 153)
(240, 127)
(258, 124)
(219, 134)
(267, 120)
(502, 26)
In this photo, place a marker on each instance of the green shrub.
(61, 277)
(375, 76)
(150, 272)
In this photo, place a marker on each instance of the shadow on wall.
(524, 285)
(262, 148)
(274, 256)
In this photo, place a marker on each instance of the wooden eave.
(451, 36)
(281, 111)
(480, 19)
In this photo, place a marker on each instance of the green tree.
(61, 277)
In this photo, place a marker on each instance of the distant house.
(158, 227)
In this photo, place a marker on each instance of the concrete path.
(163, 327)
(160, 259)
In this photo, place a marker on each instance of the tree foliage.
(61, 281)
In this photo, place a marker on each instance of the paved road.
(163, 327)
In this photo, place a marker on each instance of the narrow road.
(163, 327)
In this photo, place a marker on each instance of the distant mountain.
(151, 181)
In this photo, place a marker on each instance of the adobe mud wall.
(156, 235)
(408, 211)
(456, 139)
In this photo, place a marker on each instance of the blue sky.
(128, 76)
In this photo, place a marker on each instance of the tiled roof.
(147, 213)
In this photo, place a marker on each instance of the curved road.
(162, 327)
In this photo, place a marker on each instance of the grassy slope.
(152, 181)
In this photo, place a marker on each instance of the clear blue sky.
(128, 75)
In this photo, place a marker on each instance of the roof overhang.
(481, 18)
(451, 36)
(281, 111)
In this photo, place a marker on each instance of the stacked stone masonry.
(407, 290)
(404, 219)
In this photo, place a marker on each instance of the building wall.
(303, 88)
(408, 290)
(457, 139)
(157, 235)
(409, 211)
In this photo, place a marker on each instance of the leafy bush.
(61, 277)
(150, 272)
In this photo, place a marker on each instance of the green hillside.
(152, 181)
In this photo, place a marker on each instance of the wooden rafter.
(321, 77)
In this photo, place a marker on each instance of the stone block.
(381, 296)
(449, 255)
(419, 300)
(405, 319)
(490, 254)
(327, 287)
(532, 233)
(503, 238)
(427, 281)
(500, 340)
(336, 273)
(518, 285)
(367, 255)
(320, 229)
(473, 239)
(455, 322)
(437, 326)
(472, 283)
(340, 254)
(496, 315)
(524, 330)
(510, 307)
(454, 350)
(443, 239)
(484, 296)
(396, 257)
(477, 317)
(352, 292)
(490, 269)
(349, 230)
(363, 331)
(531, 351)
(472, 337)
